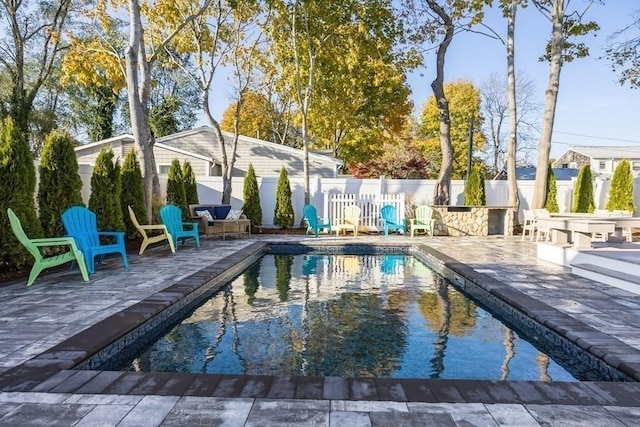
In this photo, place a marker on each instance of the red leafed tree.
(403, 161)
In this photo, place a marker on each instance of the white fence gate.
(369, 205)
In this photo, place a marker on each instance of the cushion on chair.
(234, 214)
(205, 212)
(220, 212)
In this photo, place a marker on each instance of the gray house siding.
(267, 158)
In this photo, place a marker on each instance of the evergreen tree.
(621, 189)
(474, 193)
(190, 184)
(251, 196)
(283, 213)
(132, 193)
(60, 184)
(105, 192)
(283, 275)
(583, 191)
(17, 188)
(176, 194)
(551, 202)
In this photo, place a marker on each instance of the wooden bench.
(577, 231)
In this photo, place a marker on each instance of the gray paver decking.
(59, 306)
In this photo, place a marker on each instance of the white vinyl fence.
(377, 192)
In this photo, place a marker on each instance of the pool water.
(347, 316)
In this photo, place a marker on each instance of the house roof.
(130, 138)
(177, 143)
(176, 140)
(529, 174)
(608, 152)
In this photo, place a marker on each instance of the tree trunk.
(227, 168)
(551, 98)
(139, 87)
(442, 190)
(512, 179)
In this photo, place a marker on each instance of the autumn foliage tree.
(60, 184)
(464, 109)
(403, 161)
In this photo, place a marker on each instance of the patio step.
(627, 281)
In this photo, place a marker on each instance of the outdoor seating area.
(146, 231)
(220, 220)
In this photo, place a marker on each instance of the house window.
(573, 165)
(164, 169)
(636, 166)
(602, 165)
(565, 165)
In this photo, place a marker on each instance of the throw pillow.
(221, 212)
(234, 214)
(205, 213)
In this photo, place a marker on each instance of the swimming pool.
(375, 315)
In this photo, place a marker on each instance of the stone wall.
(473, 221)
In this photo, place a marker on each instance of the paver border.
(55, 371)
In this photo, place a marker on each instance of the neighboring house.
(529, 174)
(603, 160)
(200, 148)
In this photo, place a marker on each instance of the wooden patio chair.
(529, 224)
(390, 220)
(350, 220)
(80, 223)
(423, 220)
(171, 216)
(315, 224)
(149, 239)
(41, 262)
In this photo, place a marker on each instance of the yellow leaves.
(89, 63)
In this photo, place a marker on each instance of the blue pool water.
(348, 316)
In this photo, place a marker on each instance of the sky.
(593, 108)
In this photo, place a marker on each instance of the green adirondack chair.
(41, 262)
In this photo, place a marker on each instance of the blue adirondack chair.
(390, 220)
(171, 216)
(314, 223)
(80, 223)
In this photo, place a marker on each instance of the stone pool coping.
(53, 370)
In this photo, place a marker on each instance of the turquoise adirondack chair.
(42, 262)
(80, 223)
(315, 224)
(423, 220)
(390, 220)
(171, 216)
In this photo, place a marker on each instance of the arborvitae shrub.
(283, 213)
(105, 192)
(60, 184)
(583, 191)
(621, 189)
(175, 188)
(251, 196)
(551, 202)
(283, 275)
(474, 193)
(132, 193)
(190, 184)
(17, 188)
